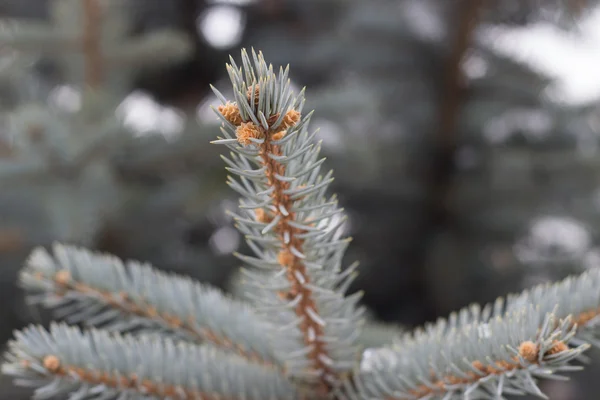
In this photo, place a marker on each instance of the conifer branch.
(293, 229)
(97, 364)
(577, 297)
(486, 368)
(481, 360)
(102, 47)
(35, 36)
(102, 291)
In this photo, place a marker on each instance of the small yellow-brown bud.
(503, 365)
(285, 257)
(272, 119)
(478, 365)
(262, 216)
(291, 118)
(62, 277)
(557, 347)
(151, 312)
(246, 131)
(529, 351)
(231, 113)
(250, 95)
(279, 135)
(51, 363)
(586, 317)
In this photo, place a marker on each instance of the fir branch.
(12, 170)
(97, 364)
(577, 297)
(575, 301)
(35, 36)
(376, 334)
(98, 33)
(481, 360)
(154, 49)
(294, 230)
(102, 291)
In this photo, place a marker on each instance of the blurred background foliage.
(463, 134)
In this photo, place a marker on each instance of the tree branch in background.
(453, 96)
(91, 43)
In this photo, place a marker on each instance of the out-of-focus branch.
(11, 240)
(452, 98)
(91, 43)
(441, 169)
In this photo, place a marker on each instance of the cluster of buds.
(247, 130)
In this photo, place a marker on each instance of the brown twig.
(92, 30)
(112, 379)
(528, 350)
(11, 240)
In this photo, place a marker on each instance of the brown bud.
(246, 131)
(291, 118)
(285, 257)
(262, 216)
(51, 363)
(272, 119)
(478, 365)
(231, 113)
(62, 277)
(557, 347)
(279, 135)
(529, 351)
(250, 95)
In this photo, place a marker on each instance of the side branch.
(114, 381)
(528, 351)
(480, 360)
(101, 291)
(66, 287)
(67, 360)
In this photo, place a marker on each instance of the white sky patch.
(144, 115)
(225, 240)
(572, 58)
(222, 26)
(554, 238)
(233, 2)
(205, 114)
(66, 98)
(331, 134)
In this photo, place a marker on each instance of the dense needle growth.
(149, 334)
